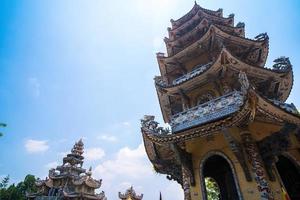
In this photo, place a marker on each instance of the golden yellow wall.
(201, 146)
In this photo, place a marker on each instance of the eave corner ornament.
(282, 64)
(148, 123)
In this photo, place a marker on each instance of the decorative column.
(257, 166)
(186, 184)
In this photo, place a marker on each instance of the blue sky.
(72, 69)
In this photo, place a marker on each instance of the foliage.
(2, 125)
(4, 182)
(212, 189)
(17, 192)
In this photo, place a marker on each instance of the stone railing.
(291, 108)
(198, 70)
(262, 37)
(207, 112)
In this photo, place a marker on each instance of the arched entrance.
(218, 168)
(290, 175)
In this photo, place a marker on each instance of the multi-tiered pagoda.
(227, 112)
(69, 181)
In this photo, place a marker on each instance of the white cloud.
(34, 86)
(51, 165)
(93, 154)
(36, 146)
(109, 138)
(131, 163)
(131, 167)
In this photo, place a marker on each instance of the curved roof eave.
(197, 27)
(193, 12)
(217, 31)
(268, 107)
(238, 65)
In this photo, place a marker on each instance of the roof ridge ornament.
(262, 37)
(149, 123)
(282, 64)
(130, 194)
(240, 25)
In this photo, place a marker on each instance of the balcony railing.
(207, 112)
(199, 69)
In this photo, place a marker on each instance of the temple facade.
(228, 116)
(69, 180)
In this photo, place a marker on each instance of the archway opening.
(217, 168)
(290, 176)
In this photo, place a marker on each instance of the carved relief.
(238, 151)
(257, 166)
(244, 82)
(217, 108)
(186, 184)
(185, 159)
(150, 124)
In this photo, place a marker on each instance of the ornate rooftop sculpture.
(69, 180)
(130, 195)
(223, 104)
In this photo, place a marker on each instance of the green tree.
(4, 182)
(17, 192)
(212, 189)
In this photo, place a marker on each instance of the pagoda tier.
(165, 148)
(130, 194)
(183, 40)
(275, 83)
(228, 110)
(199, 19)
(70, 180)
(208, 47)
(194, 11)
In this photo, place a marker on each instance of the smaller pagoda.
(69, 180)
(130, 195)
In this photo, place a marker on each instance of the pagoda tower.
(69, 180)
(227, 113)
(130, 194)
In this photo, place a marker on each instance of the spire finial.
(78, 147)
(80, 142)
